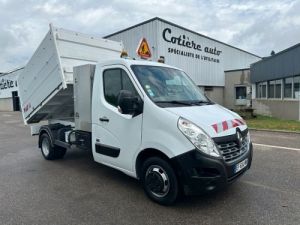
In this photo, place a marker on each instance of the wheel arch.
(45, 130)
(145, 154)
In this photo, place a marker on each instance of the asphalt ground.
(76, 190)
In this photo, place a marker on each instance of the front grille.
(232, 151)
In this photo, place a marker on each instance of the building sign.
(193, 48)
(143, 49)
(8, 84)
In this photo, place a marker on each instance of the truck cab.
(150, 121)
(146, 119)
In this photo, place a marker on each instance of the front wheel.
(49, 152)
(159, 181)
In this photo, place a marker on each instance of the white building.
(203, 58)
(9, 99)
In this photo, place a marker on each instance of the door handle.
(104, 119)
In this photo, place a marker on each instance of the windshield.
(168, 85)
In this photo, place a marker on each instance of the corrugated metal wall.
(202, 72)
(283, 64)
(194, 62)
(132, 37)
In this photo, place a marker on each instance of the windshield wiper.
(176, 102)
(203, 102)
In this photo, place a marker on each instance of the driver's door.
(116, 137)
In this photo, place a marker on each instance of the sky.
(253, 25)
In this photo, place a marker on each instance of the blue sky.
(253, 25)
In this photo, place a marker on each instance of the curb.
(275, 131)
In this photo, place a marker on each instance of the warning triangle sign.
(143, 49)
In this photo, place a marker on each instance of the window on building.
(271, 89)
(288, 87)
(208, 88)
(240, 92)
(278, 84)
(264, 90)
(115, 80)
(261, 90)
(274, 88)
(296, 87)
(258, 91)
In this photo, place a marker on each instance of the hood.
(215, 120)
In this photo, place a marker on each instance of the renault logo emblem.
(239, 137)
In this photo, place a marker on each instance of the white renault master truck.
(146, 119)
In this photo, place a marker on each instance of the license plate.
(241, 165)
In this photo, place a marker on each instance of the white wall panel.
(132, 37)
(8, 83)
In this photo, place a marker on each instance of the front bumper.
(199, 173)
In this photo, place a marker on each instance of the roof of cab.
(129, 62)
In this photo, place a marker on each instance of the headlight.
(198, 137)
(248, 139)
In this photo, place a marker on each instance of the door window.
(115, 80)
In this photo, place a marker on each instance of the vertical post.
(54, 34)
(299, 105)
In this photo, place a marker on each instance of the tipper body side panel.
(46, 85)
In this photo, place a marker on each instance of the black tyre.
(159, 181)
(49, 152)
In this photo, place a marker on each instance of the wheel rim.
(45, 146)
(157, 181)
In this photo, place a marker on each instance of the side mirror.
(129, 104)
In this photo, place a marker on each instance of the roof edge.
(236, 70)
(178, 26)
(11, 71)
(131, 27)
(276, 54)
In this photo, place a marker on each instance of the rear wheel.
(49, 152)
(159, 181)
